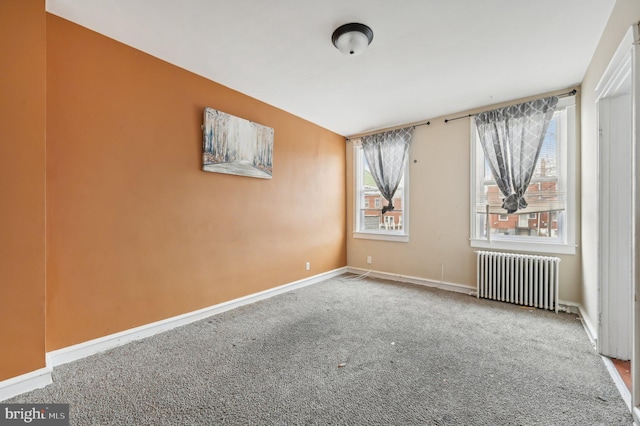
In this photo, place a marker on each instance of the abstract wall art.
(236, 146)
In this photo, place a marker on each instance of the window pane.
(544, 224)
(546, 166)
(371, 203)
(371, 218)
(545, 196)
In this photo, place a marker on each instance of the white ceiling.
(428, 58)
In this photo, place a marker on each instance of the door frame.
(614, 82)
(616, 218)
(625, 63)
(635, 134)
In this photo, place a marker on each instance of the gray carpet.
(354, 352)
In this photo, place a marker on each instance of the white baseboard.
(611, 368)
(615, 376)
(25, 383)
(592, 332)
(568, 307)
(565, 306)
(91, 347)
(42, 377)
(573, 307)
(577, 308)
(458, 288)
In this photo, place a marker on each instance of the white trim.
(592, 332)
(398, 238)
(622, 387)
(614, 205)
(27, 382)
(568, 307)
(395, 236)
(613, 372)
(357, 183)
(565, 244)
(458, 288)
(91, 347)
(616, 69)
(524, 246)
(571, 178)
(635, 123)
(635, 327)
(565, 306)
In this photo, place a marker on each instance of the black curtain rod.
(562, 95)
(421, 124)
(427, 123)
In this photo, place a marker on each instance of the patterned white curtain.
(386, 154)
(511, 138)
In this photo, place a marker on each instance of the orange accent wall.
(136, 232)
(22, 186)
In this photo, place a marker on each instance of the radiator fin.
(518, 278)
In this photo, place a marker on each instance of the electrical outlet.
(308, 266)
(369, 260)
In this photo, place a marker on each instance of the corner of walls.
(624, 14)
(136, 232)
(434, 252)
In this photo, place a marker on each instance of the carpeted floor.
(350, 351)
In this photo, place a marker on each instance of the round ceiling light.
(352, 39)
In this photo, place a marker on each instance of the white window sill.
(396, 237)
(525, 246)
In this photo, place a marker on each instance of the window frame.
(561, 245)
(396, 235)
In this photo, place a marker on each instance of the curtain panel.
(386, 154)
(511, 138)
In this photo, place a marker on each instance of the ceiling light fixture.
(352, 39)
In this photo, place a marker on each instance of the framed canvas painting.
(233, 145)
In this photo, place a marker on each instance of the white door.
(616, 206)
(619, 115)
(616, 225)
(635, 360)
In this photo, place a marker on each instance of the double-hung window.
(547, 224)
(369, 221)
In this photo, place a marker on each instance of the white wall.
(625, 13)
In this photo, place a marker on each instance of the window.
(547, 224)
(370, 223)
